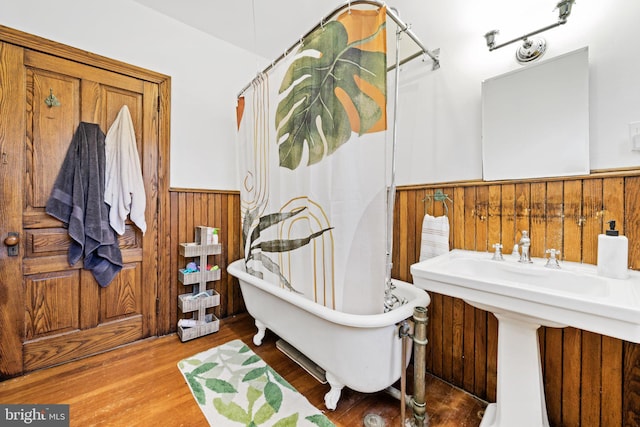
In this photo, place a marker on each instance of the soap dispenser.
(613, 253)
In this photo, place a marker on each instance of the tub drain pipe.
(420, 319)
(404, 336)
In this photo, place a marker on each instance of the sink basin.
(531, 276)
(573, 295)
(524, 297)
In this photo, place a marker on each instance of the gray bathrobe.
(77, 199)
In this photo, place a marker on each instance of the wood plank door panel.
(61, 313)
(12, 83)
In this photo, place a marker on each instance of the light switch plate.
(634, 136)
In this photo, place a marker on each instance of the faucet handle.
(497, 254)
(552, 261)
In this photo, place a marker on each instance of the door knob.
(11, 241)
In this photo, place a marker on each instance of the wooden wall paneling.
(441, 305)
(401, 241)
(220, 217)
(480, 357)
(494, 216)
(410, 244)
(181, 237)
(553, 373)
(569, 238)
(612, 348)
(417, 209)
(436, 329)
(591, 376)
(538, 219)
(395, 256)
(631, 379)
(613, 208)
(589, 379)
(454, 308)
(469, 218)
(572, 338)
(174, 291)
(213, 212)
(448, 328)
(482, 219)
(589, 223)
(496, 220)
(591, 219)
(235, 303)
(503, 206)
(630, 226)
(232, 246)
(201, 203)
(571, 367)
(523, 208)
(550, 339)
(220, 209)
(611, 382)
(480, 333)
(437, 334)
(468, 381)
(508, 229)
(554, 217)
(469, 311)
(457, 218)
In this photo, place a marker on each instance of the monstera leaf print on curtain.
(312, 139)
(339, 87)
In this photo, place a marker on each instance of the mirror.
(535, 121)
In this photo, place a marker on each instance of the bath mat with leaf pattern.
(235, 387)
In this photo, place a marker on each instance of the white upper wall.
(439, 125)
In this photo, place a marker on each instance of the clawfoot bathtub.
(362, 352)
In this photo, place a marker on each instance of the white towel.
(435, 236)
(124, 186)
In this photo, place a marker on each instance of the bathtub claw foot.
(332, 397)
(262, 329)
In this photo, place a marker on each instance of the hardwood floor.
(140, 385)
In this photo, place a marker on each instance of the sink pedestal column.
(520, 390)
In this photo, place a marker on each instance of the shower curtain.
(312, 137)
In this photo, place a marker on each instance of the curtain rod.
(390, 12)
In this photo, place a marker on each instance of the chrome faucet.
(497, 254)
(525, 246)
(552, 261)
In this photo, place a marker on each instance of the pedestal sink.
(524, 297)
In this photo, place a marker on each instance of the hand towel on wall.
(77, 199)
(435, 236)
(124, 187)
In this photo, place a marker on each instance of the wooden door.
(52, 312)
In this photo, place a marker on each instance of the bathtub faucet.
(390, 300)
